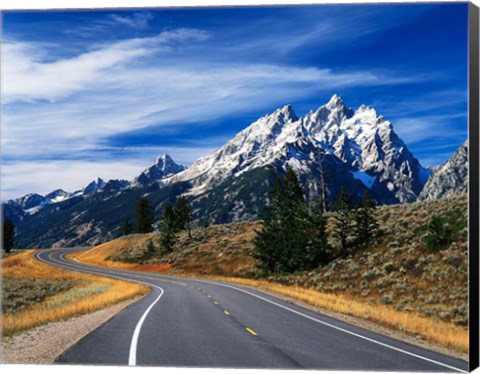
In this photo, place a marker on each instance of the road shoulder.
(368, 325)
(55, 337)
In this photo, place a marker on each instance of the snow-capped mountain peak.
(360, 138)
(93, 186)
(58, 195)
(164, 167)
(285, 114)
(335, 102)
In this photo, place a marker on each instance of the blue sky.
(103, 93)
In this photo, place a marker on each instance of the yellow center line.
(215, 302)
(209, 297)
(251, 331)
(226, 312)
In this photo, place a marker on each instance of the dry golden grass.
(91, 293)
(99, 255)
(439, 332)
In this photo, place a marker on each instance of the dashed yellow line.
(251, 331)
(215, 302)
(226, 312)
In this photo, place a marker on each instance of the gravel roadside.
(43, 344)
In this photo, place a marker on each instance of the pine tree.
(8, 235)
(267, 246)
(317, 250)
(366, 225)
(183, 215)
(280, 243)
(126, 227)
(342, 221)
(144, 216)
(168, 229)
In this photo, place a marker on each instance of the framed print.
(241, 186)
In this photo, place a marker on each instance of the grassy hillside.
(34, 293)
(398, 273)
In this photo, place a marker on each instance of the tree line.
(294, 235)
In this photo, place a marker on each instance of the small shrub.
(439, 235)
(389, 267)
(387, 299)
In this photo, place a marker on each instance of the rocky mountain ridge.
(330, 148)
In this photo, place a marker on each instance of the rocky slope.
(450, 179)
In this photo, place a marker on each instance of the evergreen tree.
(127, 227)
(183, 215)
(8, 235)
(317, 250)
(343, 221)
(144, 216)
(168, 229)
(366, 225)
(267, 246)
(281, 242)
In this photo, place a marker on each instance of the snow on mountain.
(32, 203)
(450, 179)
(164, 167)
(93, 186)
(367, 142)
(29, 201)
(361, 138)
(58, 195)
(252, 147)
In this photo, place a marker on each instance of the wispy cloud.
(136, 20)
(26, 77)
(434, 127)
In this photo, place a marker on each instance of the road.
(199, 323)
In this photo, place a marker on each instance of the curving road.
(198, 323)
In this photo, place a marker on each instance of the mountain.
(33, 202)
(366, 144)
(331, 148)
(93, 186)
(163, 168)
(450, 179)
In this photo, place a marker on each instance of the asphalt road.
(198, 323)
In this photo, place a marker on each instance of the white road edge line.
(339, 328)
(132, 358)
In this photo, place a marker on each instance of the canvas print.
(280, 187)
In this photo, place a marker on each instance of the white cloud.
(136, 20)
(27, 78)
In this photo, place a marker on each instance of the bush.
(439, 234)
